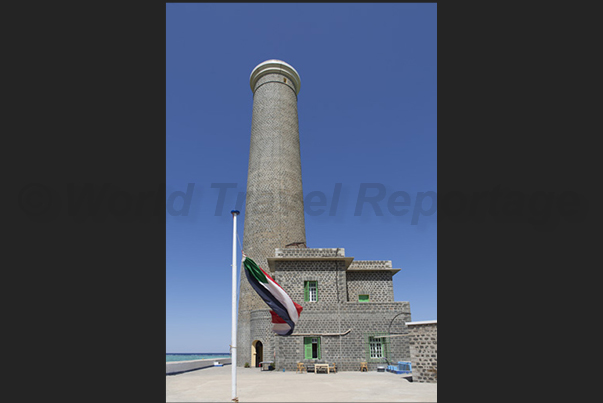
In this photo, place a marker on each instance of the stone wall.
(335, 311)
(351, 348)
(370, 264)
(343, 324)
(261, 329)
(330, 276)
(274, 205)
(377, 285)
(309, 252)
(423, 341)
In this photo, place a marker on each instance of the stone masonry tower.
(274, 209)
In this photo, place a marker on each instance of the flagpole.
(233, 338)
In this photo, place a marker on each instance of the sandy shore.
(214, 385)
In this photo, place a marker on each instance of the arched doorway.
(257, 353)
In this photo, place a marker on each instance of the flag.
(285, 312)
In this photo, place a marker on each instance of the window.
(376, 347)
(311, 347)
(310, 291)
(363, 298)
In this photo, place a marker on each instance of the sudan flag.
(285, 312)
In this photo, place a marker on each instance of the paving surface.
(214, 385)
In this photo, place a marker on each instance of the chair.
(301, 368)
(363, 366)
(333, 368)
(310, 367)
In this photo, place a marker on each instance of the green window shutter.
(316, 288)
(319, 348)
(363, 298)
(306, 291)
(307, 348)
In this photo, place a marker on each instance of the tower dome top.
(278, 67)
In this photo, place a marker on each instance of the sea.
(193, 356)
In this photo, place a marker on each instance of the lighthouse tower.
(274, 209)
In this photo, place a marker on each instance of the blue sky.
(367, 114)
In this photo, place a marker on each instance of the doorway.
(257, 353)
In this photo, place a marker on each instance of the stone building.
(349, 314)
(349, 310)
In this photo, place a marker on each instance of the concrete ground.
(214, 385)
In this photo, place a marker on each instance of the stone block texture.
(274, 219)
(313, 252)
(423, 342)
(377, 285)
(334, 312)
(274, 209)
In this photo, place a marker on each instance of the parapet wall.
(176, 367)
(370, 264)
(309, 252)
